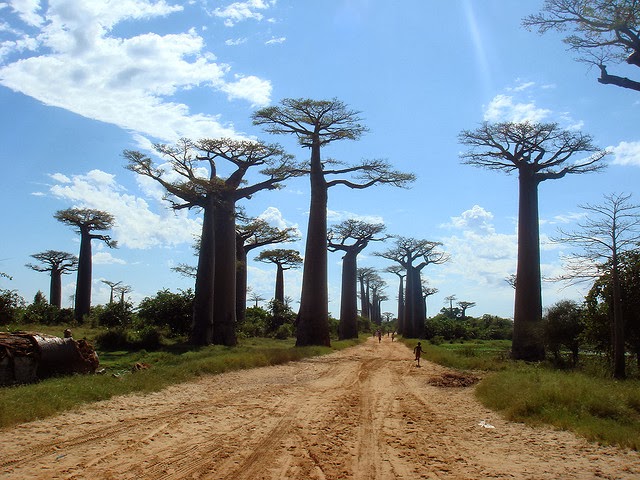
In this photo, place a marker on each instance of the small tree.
(603, 31)
(612, 230)
(317, 124)
(57, 264)
(112, 286)
(563, 328)
(538, 152)
(464, 305)
(86, 221)
(351, 237)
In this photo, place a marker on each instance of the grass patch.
(172, 365)
(584, 402)
(599, 409)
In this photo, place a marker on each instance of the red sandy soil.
(362, 413)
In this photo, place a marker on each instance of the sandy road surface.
(363, 413)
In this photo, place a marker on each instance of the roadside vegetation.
(582, 399)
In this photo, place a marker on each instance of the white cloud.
(106, 258)
(27, 10)
(276, 41)
(128, 82)
(503, 108)
(237, 41)
(136, 225)
(273, 216)
(341, 215)
(478, 252)
(240, 11)
(626, 153)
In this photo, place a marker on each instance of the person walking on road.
(418, 351)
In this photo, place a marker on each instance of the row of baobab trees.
(536, 151)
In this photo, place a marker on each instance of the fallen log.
(26, 357)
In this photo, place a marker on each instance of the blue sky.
(83, 80)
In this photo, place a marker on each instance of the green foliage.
(117, 314)
(255, 323)
(601, 410)
(487, 327)
(167, 309)
(11, 305)
(113, 339)
(364, 324)
(563, 327)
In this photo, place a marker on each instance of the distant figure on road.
(379, 336)
(393, 336)
(418, 350)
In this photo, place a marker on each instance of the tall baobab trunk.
(241, 280)
(224, 282)
(527, 328)
(279, 292)
(400, 325)
(203, 301)
(312, 321)
(55, 290)
(83, 285)
(348, 327)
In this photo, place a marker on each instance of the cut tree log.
(26, 357)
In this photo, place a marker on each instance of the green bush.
(284, 331)
(11, 305)
(114, 339)
(114, 315)
(167, 309)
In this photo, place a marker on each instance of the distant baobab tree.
(351, 237)
(407, 252)
(86, 221)
(464, 305)
(256, 297)
(112, 286)
(254, 233)
(365, 275)
(198, 185)
(284, 259)
(538, 152)
(57, 263)
(449, 301)
(317, 123)
(401, 273)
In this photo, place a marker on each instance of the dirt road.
(362, 413)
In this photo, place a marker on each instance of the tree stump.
(26, 357)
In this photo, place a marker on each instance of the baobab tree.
(57, 263)
(464, 306)
(214, 321)
(365, 275)
(448, 300)
(122, 290)
(401, 273)
(351, 237)
(317, 123)
(283, 259)
(610, 231)
(602, 31)
(112, 286)
(406, 252)
(427, 291)
(256, 298)
(86, 221)
(251, 234)
(538, 152)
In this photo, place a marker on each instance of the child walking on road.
(418, 350)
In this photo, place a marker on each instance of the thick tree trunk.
(410, 305)
(83, 284)
(527, 317)
(313, 316)
(224, 282)
(202, 325)
(279, 293)
(241, 280)
(618, 323)
(400, 324)
(348, 327)
(55, 291)
(363, 299)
